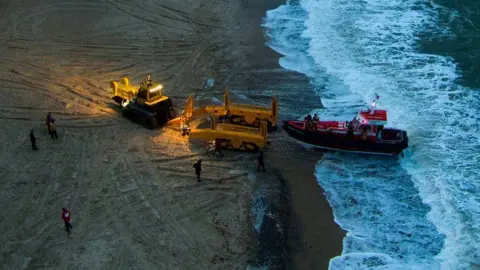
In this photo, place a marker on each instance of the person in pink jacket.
(66, 218)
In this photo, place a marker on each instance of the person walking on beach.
(33, 140)
(66, 219)
(218, 148)
(49, 120)
(260, 162)
(53, 131)
(198, 169)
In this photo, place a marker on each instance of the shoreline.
(298, 204)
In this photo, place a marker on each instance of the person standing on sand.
(198, 169)
(66, 219)
(53, 131)
(33, 140)
(49, 120)
(260, 162)
(218, 148)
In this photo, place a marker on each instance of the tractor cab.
(146, 103)
(150, 95)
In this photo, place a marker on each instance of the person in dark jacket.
(33, 140)
(66, 219)
(260, 162)
(49, 120)
(218, 148)
(198, 169)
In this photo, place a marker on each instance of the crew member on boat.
(308, 123)
(364, 133)
(350, 130)
(379, 132)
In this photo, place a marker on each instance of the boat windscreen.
(355, 122)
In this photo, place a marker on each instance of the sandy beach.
(132, 192)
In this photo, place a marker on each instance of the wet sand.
(134, 200)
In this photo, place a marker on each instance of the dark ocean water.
(462, 19)
(422, 58)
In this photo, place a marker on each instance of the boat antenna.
(374, 103)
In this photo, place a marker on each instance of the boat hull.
(343, 143)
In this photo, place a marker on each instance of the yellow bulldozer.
(145, 103)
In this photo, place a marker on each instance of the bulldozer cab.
(141, 96)
(151, 95)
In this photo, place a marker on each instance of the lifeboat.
(366, 133)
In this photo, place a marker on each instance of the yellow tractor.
(234, 113)
(145, 103)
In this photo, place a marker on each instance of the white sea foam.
(421, 212)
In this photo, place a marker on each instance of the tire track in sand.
(157, 215)
(40, 234)
(128, 223)
(176, 225)
(93, 193)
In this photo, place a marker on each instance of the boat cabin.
(370, 124)
(369, 120)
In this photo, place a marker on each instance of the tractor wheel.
(152, 123)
